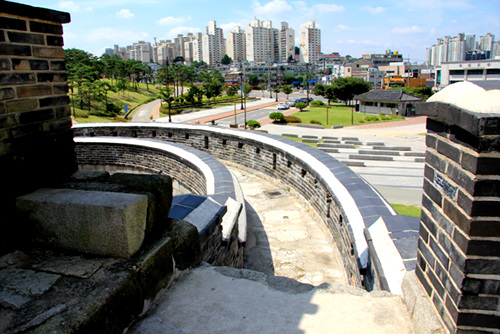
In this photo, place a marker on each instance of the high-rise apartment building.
(142, 51)
(460, 48)
(236, 45)
(259, 41)
(286, 42)
(310, 43)
(213, 44)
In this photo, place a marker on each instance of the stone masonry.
(36, 140)
(459, 246)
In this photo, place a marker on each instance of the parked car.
(292, 103)
(283, 105)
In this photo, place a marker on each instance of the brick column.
(459, 245)
(36, 140)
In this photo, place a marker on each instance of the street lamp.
(241, 88)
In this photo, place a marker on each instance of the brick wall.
(36, 141)
(459, 245)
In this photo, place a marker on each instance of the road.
(145, 113)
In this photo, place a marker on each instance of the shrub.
(361, 121)
(371, 118)
(317, 103)
(252, 124)
(313, 121)
(301, 105)
(277, 116)
(292, 119)
(81, 113)
(381, 114)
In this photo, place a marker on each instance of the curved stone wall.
(346, 204)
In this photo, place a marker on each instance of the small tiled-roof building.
(387, 102)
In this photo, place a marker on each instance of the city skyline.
(350, 28)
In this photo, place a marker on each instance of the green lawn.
(340, 114)
(407, 210)
(131, 98)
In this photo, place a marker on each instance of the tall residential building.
(286, 42)
(486, 42)
(188, 48)
(142, 51)
(259, 41)
(236, 45)
(213, 44)
(310, 43)
(460, 48)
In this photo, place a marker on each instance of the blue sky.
(350, 27)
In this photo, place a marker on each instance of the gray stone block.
(378, 152)
(329, 149)
(354, 163)
(309, 140)
(392, 148)
(94, 222)
(370, 157)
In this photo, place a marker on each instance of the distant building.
(310, 43)
(358, 68)
(213, 44)
(142, 51)
(236, 45)
(286, 43)
(461, 48)
(384, 59)
(259, 41)
(387, 102)
(480, 70)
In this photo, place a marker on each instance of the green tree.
(226, 60)
(276, 89)
(252, 124)
(263, 87)
(423, 92)
(253, 79)
(247, 88)
(319, 90)
(288, 78)
(301, 106)
(287, 89)
(277, 117)
(346, 88)
(329, 93)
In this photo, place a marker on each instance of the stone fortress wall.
(345, 203)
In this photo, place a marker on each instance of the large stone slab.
(95, 222)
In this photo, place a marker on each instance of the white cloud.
(407, 30)
(228, 27)
(323, 8)
(114, 36)
(173, 21)
(68, 6)
(376, 10)
(343, 27)
(272, 8)
(125, 14)
(182, 30)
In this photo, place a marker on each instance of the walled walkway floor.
(293, 281)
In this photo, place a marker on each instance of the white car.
(283, 105)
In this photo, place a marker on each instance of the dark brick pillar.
(459, 245)
(36, 140)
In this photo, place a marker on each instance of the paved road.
(147, 112)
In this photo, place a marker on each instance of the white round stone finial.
(471, 96)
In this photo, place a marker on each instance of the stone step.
(330, 138)
(370, 157)
(290, 135)
(353, 142)
(339, 145)
(353, 163)
(309, 136)
(309, 140)
(375, 143)
(378, 152)
(392, 148)
(329, 149)
(414, 154)
(350, 138)
(331, 141)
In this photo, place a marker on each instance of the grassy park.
(339, 114)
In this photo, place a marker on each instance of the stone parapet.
(346, 204)
(458, 256)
